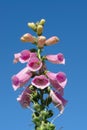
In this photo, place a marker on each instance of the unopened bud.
(51, 41)
(39, 29)
(27, 38)
(36, 119)
(37, 107)
(50, 126)
(41, 41)
(42, 21)
(32, 26)
(44, 114)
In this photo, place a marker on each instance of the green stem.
(39, 53)
(41, 105)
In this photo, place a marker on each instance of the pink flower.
(41, 41)
(23, 56)
(58, 80)
(34, 64)
(51, 41)
(24, 98)
(57, 59)
(27, 38)
(61, 78)
(58, 100)
(21, 78)
(40, 82)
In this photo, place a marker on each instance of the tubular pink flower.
(34, 64)
(41, 41)
(56, 80)
(21, 78)
(27, 38)
(23, 56)
(61, 78)
(58, 100)
(24, 98)
(56, 59)
(52, 40)
(40, 82)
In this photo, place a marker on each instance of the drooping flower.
(24, 98)
(61, 78)
(40, 82)
(34, 64)
(52, 40)
(58, 80)
(41, 41)
(27, 38)
(58, 100)
(21, 78)
(23, 56)
(56, 59)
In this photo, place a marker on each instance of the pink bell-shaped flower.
(23, 56)
(34, 64)
(24, 98)
(58, 80)
(56, 59)
(40, 82)
(21, 78)
(58, 100)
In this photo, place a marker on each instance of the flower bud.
(41, 41)
(32, 26)
(50, 126)
(36, 119)
(44, 114)
(39, 29)
(51, 41)
(47, 90)
(42, 21)
(27, 38)
(37, 107)
(43, 126)
(32, 88)
(35, 96)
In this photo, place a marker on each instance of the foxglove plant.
(41, 87)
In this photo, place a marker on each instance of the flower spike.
(43, 87)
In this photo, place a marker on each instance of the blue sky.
(65, 19)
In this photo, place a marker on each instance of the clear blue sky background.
(64, 18)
